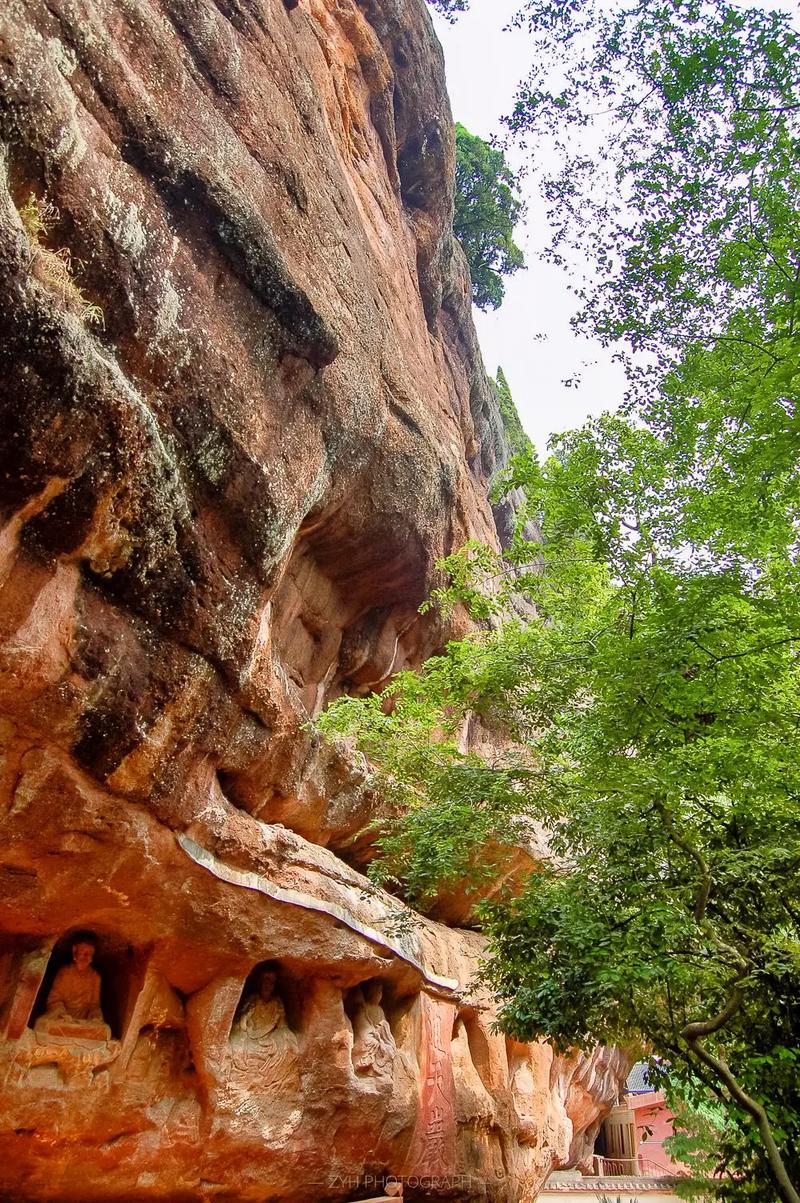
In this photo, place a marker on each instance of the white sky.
(484, 66)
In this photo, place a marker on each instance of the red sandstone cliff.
(240, 422)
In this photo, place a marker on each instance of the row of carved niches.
(87, 1009)
(261, 1053)
(271, 1042)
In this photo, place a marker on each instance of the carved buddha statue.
(374, 1048)
(262, 1043)
(73, 1009)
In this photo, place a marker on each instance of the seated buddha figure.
(73, 1011)
(262, 1043)
(374, 1049)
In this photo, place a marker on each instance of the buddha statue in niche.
(73, 1012)
(374, 1047)
(263, 1046)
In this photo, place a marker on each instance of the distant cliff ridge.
(243, 414)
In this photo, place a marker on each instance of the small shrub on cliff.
(487, 208)
(56, 267)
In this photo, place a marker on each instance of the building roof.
(638, 1080)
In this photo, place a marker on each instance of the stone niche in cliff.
(243, 414)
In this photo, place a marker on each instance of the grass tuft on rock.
(55, 267)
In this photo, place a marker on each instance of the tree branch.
(704, 887)
(692, 1034)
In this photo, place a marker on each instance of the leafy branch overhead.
(450, 8)
(675, 130)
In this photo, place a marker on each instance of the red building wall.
(653, 1120)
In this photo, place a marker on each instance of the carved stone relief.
(433, 1147)
(70, 1042)
(155, 1051)
(73, 1014)
(525, 1095)
(263, 1049)
(473, 1100)
(374, 1048)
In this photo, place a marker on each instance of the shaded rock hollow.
(237, 432)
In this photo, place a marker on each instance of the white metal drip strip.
(254, 881)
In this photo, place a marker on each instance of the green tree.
(653, 703)
(675, 125)
(653, 709)
(518, 440)
(487, 209)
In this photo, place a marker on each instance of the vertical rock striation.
(243, 414)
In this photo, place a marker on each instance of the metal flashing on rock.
(248, 880)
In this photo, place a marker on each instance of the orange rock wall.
(236, 433)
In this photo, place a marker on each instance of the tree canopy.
(675, 123)
(449, 8)
(516, 437)
(650, 703)
(653, 710)
(487, 209)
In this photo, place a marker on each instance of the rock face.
(243, 413)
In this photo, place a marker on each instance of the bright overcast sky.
(484, 65)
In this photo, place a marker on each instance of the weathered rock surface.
(224, 489)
